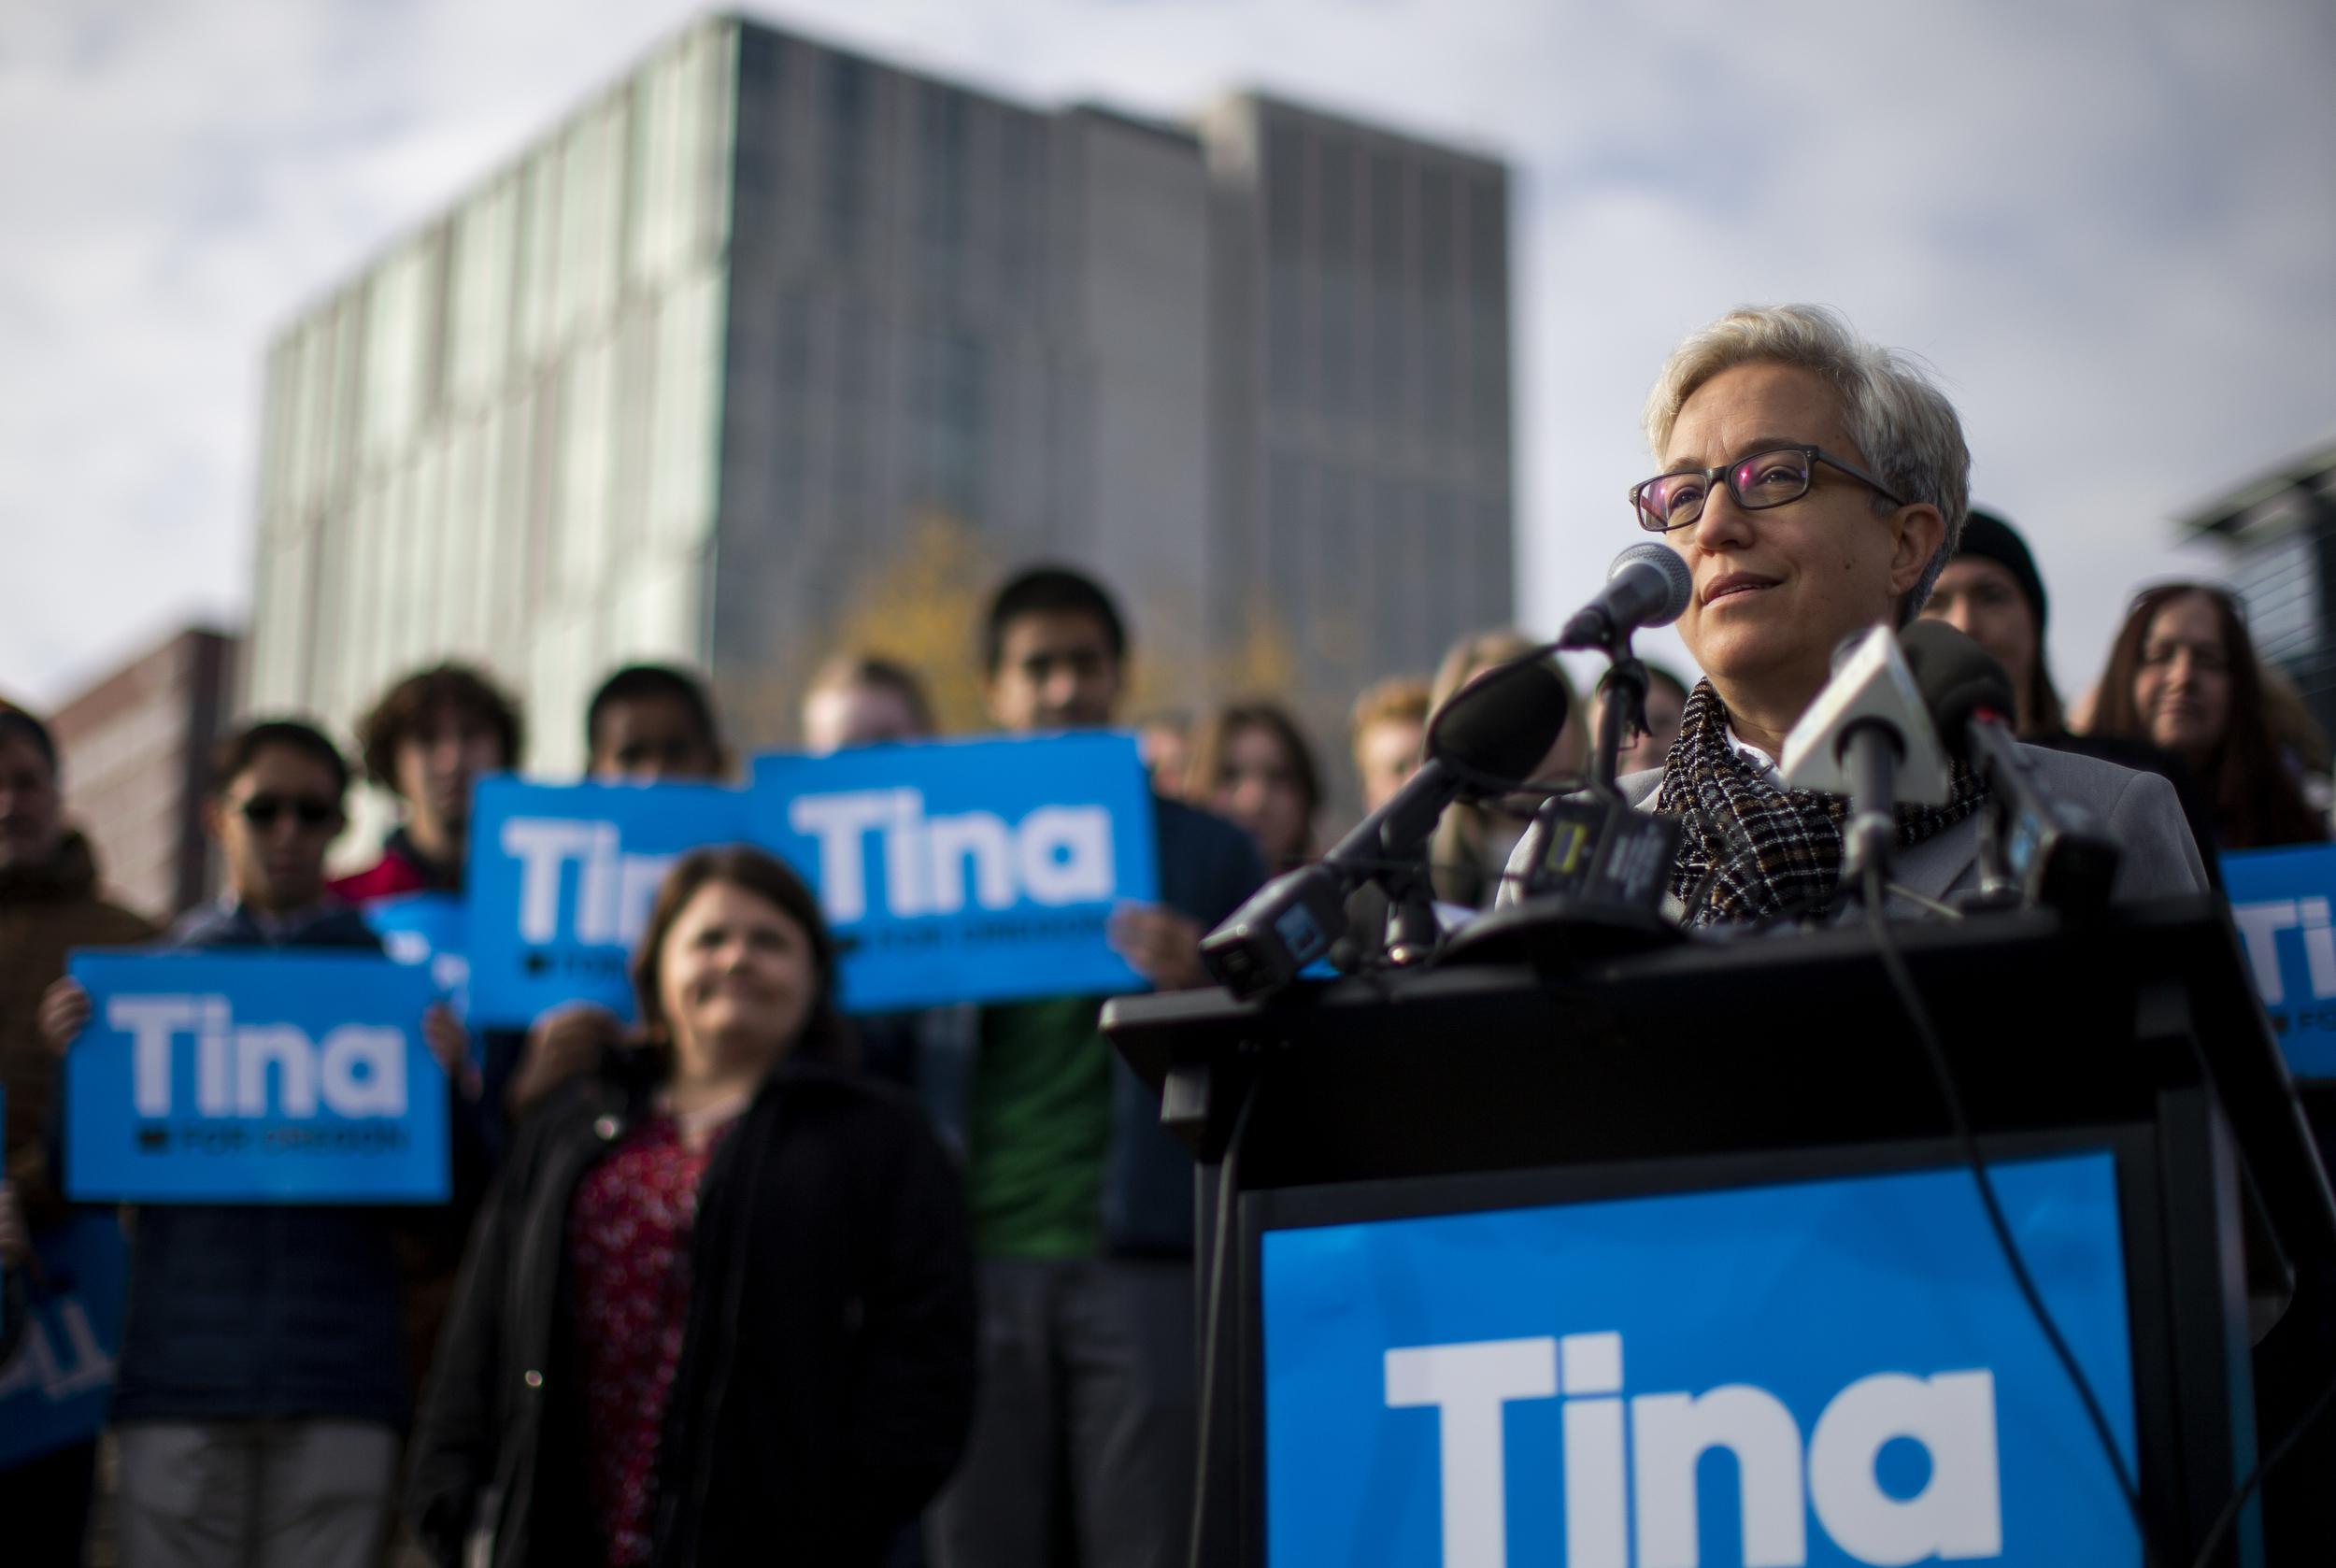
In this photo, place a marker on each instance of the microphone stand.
(1624, 709)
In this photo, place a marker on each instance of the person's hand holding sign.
(1162, 946)
(444, 1034)
(63, 1014)
(565, 1041)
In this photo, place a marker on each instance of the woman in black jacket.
(720, 1307)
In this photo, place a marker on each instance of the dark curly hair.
(426, 692)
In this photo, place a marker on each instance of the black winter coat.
(826, 1378)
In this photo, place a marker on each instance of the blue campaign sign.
(2279, 900)
(56, 1388)
(968, 870)
(1552, 1385)
(261, 1077)
(562, 878)
(432, 930)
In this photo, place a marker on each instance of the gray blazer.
(2140, 809)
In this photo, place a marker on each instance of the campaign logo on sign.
(255, 1077)
(2279, 901)
(1834, 1372)
(55, 1387)
(561, 881)
(968, 871)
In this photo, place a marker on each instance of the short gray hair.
(1904, 427)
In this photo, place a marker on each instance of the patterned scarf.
(1753, 849)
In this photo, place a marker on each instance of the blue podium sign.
(2280, 901)
(1829, 1371)
(561, 881)
(55, 1389)
(968, 871)
(275, 1077)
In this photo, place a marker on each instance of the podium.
(1669, 1256)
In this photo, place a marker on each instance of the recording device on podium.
(1869, 736)
(1484, 742)
(2034, 850)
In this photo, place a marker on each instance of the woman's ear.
(1921, 531)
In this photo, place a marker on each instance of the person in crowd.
(1817, 485)
(861, 699)
(1992, 593)
(1252, 765)
(646, 724)
(433, 737)
(1472, 843)
(1385, 734)
(720, 1307)
(50, 905)
(1081, 1204)
(262, 1384)
(1666, 704)
(649, 723)
(2183, 676)
(1164, 738)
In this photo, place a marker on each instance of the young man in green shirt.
(1082, 1449)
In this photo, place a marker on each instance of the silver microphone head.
(1677, 579)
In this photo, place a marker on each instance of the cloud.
(2109, 231)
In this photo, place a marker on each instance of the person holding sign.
(720, 1305)
(646, 724)
(262, 1384)
(50, 903)
(1081, 1204)
(428, 740)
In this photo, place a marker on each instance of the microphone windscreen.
(1679, 582)
(1959, 679)
(1504, 722)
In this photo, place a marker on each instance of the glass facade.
(684, 379)
(497, 445)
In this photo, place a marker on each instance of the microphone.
(1648, 585)
(1486, 740)
(1869, 736)
(2034, 850)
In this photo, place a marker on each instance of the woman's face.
(1778, 589)
(1257, 786)
(2183, 688)
(738, 978)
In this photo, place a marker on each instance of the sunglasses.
(262, 811)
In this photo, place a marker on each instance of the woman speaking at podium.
(1816, 484)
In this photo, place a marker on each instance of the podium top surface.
(1761, 1042)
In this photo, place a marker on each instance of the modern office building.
(2280, 529)
(135, 750)
(766, 324)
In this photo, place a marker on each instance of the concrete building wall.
(133, 749)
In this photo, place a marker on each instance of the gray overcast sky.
(2110, 227)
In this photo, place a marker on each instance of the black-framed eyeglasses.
(262, 811)
(1764, 479)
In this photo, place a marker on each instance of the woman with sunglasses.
(719, 1309)
(1815, 484)
(2183, 676)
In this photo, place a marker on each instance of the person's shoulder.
(208, 925)
(1641, 788)
(386, 877)
(2087, 779)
